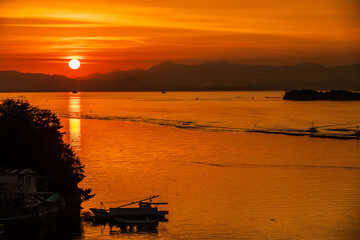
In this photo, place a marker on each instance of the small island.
(312, 95)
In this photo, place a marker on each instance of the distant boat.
(163, 92)
(74, 91)
(313, 129)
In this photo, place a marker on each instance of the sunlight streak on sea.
(221, 182)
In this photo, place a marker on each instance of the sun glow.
(74, 64)
(41, 36)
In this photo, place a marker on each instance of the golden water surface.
(220, 181)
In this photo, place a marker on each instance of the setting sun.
(74, 64)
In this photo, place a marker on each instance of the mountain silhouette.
(18, 81)
(210, 76)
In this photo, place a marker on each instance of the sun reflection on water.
(75, 121)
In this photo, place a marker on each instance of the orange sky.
(42, 35)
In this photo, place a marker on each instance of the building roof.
(16, 171)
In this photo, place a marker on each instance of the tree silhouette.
(30, 137)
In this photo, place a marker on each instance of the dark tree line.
(30, 137)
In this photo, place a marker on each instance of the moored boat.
(144, 213)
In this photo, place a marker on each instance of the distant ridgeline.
(311, 95)
(211, 76)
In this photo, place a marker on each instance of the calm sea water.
(220, 181)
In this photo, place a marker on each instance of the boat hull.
(100, 214)
(136, 222)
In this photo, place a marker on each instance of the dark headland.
(312, 95)
(39, 175)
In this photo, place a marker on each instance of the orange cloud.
(41, 35)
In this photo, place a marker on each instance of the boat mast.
(155, 196)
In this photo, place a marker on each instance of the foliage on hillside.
(30, 137)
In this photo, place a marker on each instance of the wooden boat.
(144, 212)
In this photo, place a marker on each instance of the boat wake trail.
(335, 133)
(276, 166)
(211, 164)
(188, 125)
